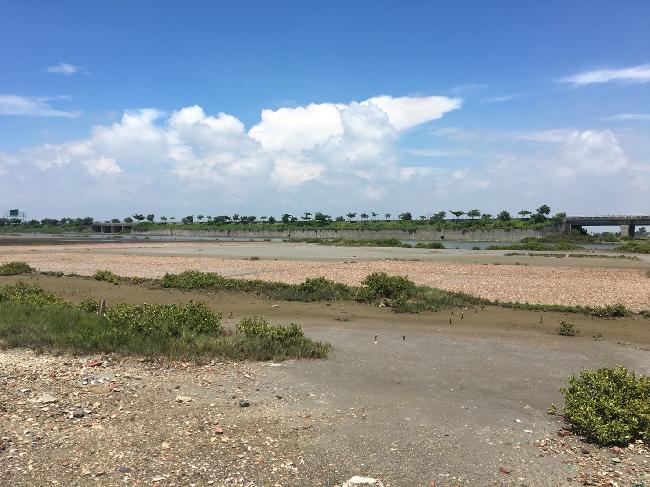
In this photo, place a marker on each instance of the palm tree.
(263, 218)
(374, 215)
(524, 213)
(199, 217)
(351, 216)
(387, 216)
(163, 219)
(306, 216)
(474, 213)
(364, 216)
(457, 213)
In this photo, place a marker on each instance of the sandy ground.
(580, 283)
(429, 404)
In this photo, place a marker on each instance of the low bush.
(635, 247)
(14, 269)
(89, 305)
(429, 245)
(106, 276)
(33, 295)
(172, 320)
(258, 327)
(609, 406)
(379, 286)
(567, 329)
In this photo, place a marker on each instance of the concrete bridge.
(102, 227)
(627, 223)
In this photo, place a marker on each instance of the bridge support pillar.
(627, 231)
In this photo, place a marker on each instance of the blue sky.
(114, 107)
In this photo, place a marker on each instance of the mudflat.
(429, 403)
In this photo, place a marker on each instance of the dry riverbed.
(505, 280)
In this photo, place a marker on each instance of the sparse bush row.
(383, 242)
(398, 292)
(540, 246)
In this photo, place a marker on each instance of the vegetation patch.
(609, 406)
(610, 311)
(32, 295)
(76, 331)
(635, 247)
(316, 289)
(255, 326)
(14, 269)
(107, 276)
(567, 329)
(32, 317)
(538, 246)
(170, 320)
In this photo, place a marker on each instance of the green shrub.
(164, 319)
(567, 329)
(429, 245)
(381, 286)
(89, 305)
(609, 406)
(635, 247)
(14, 268)
(322, 289)
(194, 280)
(107, 276)
(258, 327)
(613, 311)
(32, 294)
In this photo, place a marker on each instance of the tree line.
(539, 216)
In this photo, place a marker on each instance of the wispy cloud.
(63, 68)
(30, 106)
(439, 153)
(502, 98)
(634, 74)
(624, 117)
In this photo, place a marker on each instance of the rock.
(244, 403)
(563, 433)
(46, 399)
(218, 430)
(93, 363)
(183, 399)
(78, 413)
(360, 481)
(124, 469)
(504, 470)
(616, 460)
